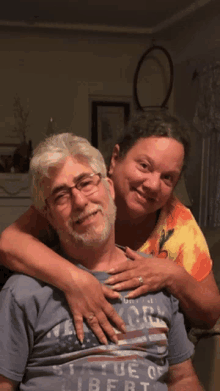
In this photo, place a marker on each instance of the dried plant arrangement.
(21, 120)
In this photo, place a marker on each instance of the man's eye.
(61, 197)
(86, 182)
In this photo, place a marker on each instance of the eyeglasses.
(87, 185)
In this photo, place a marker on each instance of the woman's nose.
(153, 182)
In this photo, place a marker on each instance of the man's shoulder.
(22, 287)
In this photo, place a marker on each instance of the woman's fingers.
(123, 266)
(130, 253)
(142, 290)
(93, 324)
(129, 284)
(78, 322)
(100, 325)
(97, 312)
(110, 313)
(109, 293)
(124, 276)
(103, 317)
(98, 322)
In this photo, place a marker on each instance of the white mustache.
(77, 217)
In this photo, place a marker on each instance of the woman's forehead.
(159, 150)
(157, 144)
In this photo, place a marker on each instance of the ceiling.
(114, 16)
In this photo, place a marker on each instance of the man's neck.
(97, 258)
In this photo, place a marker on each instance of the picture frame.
(6, 157)
(108, 119)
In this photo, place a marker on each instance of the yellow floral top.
(178, 236)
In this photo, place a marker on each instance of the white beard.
(94, 236)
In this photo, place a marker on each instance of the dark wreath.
(135, 92)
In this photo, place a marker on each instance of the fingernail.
(117, 295)
(111, 270)
(80, 340)
(115, 339)
(116, 286)
(104, 341)
(109, 280)
(124, 329)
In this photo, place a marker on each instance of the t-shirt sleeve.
(16, 337)
(180, 348)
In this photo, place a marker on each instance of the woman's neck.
(134, 233)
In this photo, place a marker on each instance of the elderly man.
(39, 349)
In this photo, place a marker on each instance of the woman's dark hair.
(154, 124)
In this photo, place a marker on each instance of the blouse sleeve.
(193, 252)
(187, 246)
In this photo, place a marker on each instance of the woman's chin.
(136, 211)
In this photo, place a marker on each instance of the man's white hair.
(52, 152)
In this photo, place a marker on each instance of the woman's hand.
(144, 274)
(86, 301)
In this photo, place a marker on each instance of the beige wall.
(194, 46)
(55, 75)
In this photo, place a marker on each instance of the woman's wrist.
(67, 277)
(176, 278)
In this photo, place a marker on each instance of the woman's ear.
(114, 159)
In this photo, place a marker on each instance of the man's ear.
(114, 159)
(48, 216)
(111, 187)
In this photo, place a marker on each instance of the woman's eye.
(168, 179)
(143, 165)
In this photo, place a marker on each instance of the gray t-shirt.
(39, 348)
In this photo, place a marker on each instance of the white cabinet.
(14, 197)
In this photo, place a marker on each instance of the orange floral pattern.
(178, 236)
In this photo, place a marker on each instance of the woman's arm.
(6, 384)
(200, 301)
(182, 377)
(21, 251)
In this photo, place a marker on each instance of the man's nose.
(79, 200)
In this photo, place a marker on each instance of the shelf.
(14, 185)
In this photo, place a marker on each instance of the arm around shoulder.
(17, 239)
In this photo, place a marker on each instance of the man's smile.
(87, 218)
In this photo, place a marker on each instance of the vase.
(22, 156)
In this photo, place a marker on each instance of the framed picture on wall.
(6, 156)
(108, 121)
